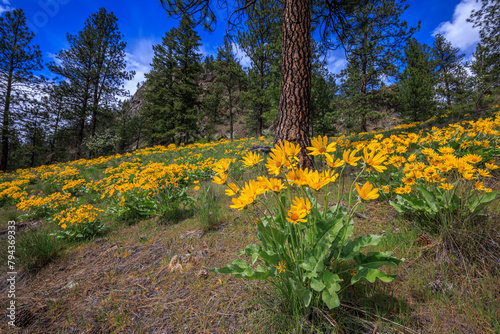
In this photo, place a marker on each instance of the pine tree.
(374, 46)
(57, 104)
(323, 90)
(488, 20)
(208, 64)
(18, 60)
(449, 67)
(35, 118)
(212, 106)
(354, 104)
(261, 41)
(230, 75)
(94, 65)
(481, 81)
(417, 82)
(293, 122)
(172, 93)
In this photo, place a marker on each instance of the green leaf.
(316, 257)
(477, 203)
(429, 198)
(331, 281)
(377, 259)
(371, 275)
(352, 248)
(269, 257)
(317, 285)
(301, 292)
(240, 269)
(252, 250)
(330, 298)
(418, 204)
(270, 237)
(399, 208)
(236, 267)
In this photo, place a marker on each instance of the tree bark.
(5, 126)
(295, 98)
(56, 128)
(230, 111)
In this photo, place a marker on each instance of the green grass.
(37, 248)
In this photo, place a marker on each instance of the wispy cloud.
(4, 6)
(139, 57)
(205, 51)
(458, 31)
(241, 56)
(335, 64)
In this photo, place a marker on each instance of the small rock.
(186, 258)
(203, 273)
(439, 286)
(70, 285)
(174, 264)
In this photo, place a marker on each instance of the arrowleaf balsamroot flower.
(248, 194)
(320, 146)
(491, 166)
(374, 160)
(316, 180)
(275, 163)
(233, 189)
(296, 215)
(349, 157)
(273, 184)
(446, 186)
(222, 166)
(334, 164)
(301, 204)
(220, 179)
(251, 159)
(367, 192)
(483, 172)
(473, 158)
(281, 267)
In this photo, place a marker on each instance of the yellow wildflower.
(367, 192)
(281, 267)
(320, 146)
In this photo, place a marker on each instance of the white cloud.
(458, 31)
(206, 52)
(241, 56)
(53, 57)
(4, 6)
(139, 58)
(336, 64)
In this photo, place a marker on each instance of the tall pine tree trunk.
(5, 126)
(295, 99)
(56, 128)
(259, 120)
(260, 107)
(230, 117)
(93, 123)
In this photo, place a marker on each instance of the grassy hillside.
(125, 243)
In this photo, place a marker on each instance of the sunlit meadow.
(308, 250)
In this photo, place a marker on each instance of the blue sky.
(143, 23)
